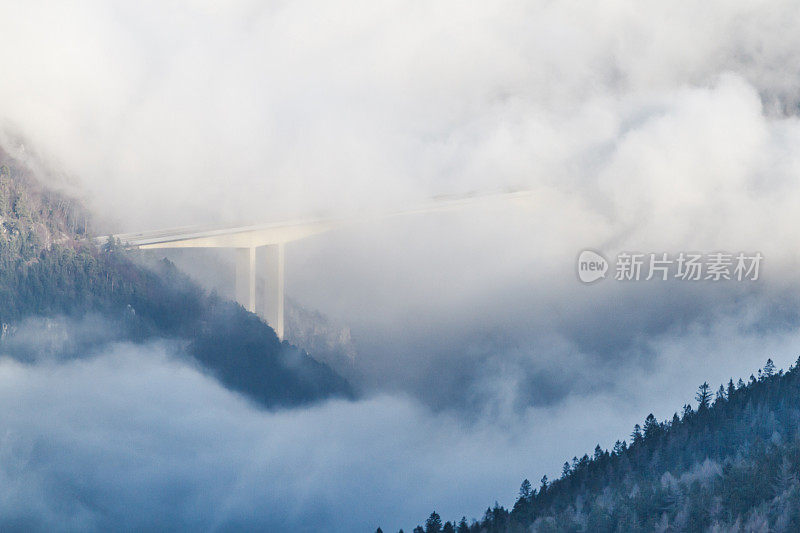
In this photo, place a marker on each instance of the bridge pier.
(246, 278)
(272, 307)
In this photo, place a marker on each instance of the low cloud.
(641, 126)
(134, 437)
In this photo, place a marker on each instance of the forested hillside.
(49, 267)
(728, 464)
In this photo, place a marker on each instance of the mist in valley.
(477, 356)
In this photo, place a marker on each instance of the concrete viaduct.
(274, 237)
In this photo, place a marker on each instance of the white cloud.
(651, 126)
(136, 439)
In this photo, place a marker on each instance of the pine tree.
(618, 448)
(598, 452)
(769, 368)
(434, 523)
(651, 426)
(703, 396)
(637, 434)
(785, 479)
(525, 490)
(720, 395)
(462, 525)
(565, 470)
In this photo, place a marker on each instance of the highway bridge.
(273, 237)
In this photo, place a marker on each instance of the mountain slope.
(49, 267)
(731, 464)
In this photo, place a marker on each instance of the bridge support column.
(246, 278)
(273, 305)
